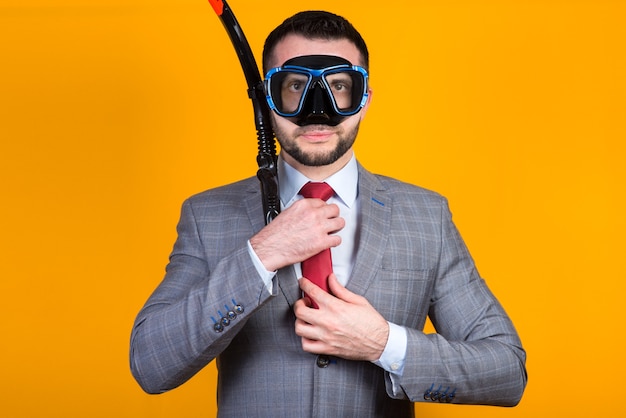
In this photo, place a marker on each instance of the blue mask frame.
(316, 81)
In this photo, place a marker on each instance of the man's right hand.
(297, 233)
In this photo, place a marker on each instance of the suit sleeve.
(175, 333)
(476, 356)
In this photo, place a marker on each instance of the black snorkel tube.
(266, 158)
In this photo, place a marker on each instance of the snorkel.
(307, 90)
(266, 158)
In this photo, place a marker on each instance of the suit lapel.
(375, 207)
(288, 283)
(254, 205)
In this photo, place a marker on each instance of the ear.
(363, 111)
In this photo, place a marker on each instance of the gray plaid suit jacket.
(411, 263)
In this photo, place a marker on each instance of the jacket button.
(323, 361)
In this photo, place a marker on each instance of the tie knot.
(317, 190)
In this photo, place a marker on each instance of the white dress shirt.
(345, 185)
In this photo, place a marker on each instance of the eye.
(340, 83)
(295, 86)
(294, 83)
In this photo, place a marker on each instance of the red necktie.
(318, 268)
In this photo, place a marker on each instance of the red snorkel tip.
(218, 6)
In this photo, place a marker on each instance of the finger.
(305, 284)
(315, 346)
(330, 224)
(313, 292)
(336, 225)
(331, 210)
(340, 291)
(306, 301)
(309, 202)
(302, 310)
(303, 329)
(301, 303)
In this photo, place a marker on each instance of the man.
(234, 289)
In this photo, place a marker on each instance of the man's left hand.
(345, 325)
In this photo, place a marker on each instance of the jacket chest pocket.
(403, 295)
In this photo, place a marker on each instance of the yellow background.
(113, 111)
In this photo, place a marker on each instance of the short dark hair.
(315, 24)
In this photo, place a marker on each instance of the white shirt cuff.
(265, 275)
(393, 357)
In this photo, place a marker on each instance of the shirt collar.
(344, 182)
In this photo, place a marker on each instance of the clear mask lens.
(289, 87)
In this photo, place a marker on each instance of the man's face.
(315, 145)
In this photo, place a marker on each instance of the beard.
(290, 146)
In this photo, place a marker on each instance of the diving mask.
(316, 89)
